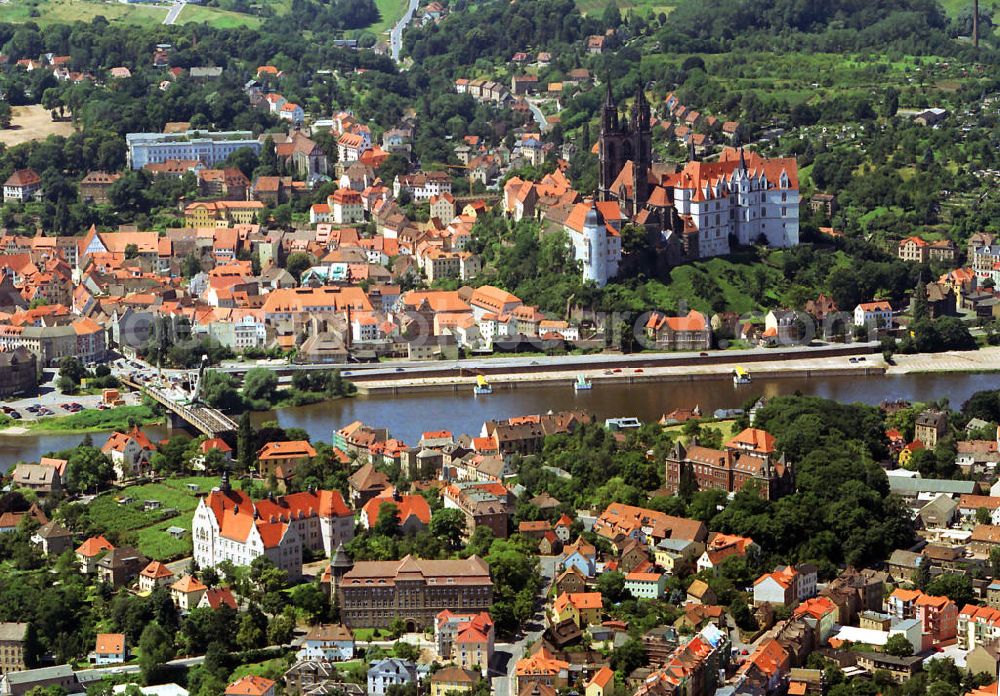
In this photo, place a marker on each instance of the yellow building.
(222, 213)
(450, 679)
(585, 608)
(602, 683)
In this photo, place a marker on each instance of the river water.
(407, 416)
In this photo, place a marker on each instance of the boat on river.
(482, 387)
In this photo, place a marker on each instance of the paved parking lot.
(51, 398)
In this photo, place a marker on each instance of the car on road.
(535, 362)
(400, 369)
(702, 355)
(853, 360)
(638, 369)
(14, 414)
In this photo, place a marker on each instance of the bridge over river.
(208, 421)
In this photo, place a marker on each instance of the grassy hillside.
(645, 7)
(44, 12)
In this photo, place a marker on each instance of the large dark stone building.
(18, 372)
(374, 593)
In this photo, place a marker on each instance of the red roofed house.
(155, 575)
(412, 511)
(914, 249)
(691, 332)
(280, 459)
(596, 239)
(820, 613)
(749, 458)
(109, 649)
(21, 186)
(216, 597)
(722, 546)
(874, 314)
(977, 625)
(129, 453)
(251, 685)
(466, 639)
(346, 206)
(602, 683)
(778, 588)
(938, 616)
(187, 593)
(543, 667)
(766, 668)
(90, 552)
(585, 608)
(228, 525)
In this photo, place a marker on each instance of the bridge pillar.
(177, 422)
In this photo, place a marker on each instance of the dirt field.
(32, 123)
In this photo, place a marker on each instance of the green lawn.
(953, 7)
(149, 527)
(60, 11)
(726, 427)
(220, 19)
(390, 11)
(94, 419)
(645, 7)
(271, 669)
(45, 12)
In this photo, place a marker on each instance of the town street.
(396, 35)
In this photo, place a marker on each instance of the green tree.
(250, 634)
(957, 588)
(156, 648)
(995, 561)
(260, 384)
(629, 656)
(898, 645)
(88, 470)
(387, 523)
(920, 307)
(245, 443)
(297, 263)
(448, 525)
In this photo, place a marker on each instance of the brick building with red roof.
(749, 458)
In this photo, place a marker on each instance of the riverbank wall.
(511, 382)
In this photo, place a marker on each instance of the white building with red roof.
(594, 230)
(129, 452)
(21, 186)
(742, 194)
(877, 314)
(228, 525)
(90, 552)
(465, 639)
(155, 575)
